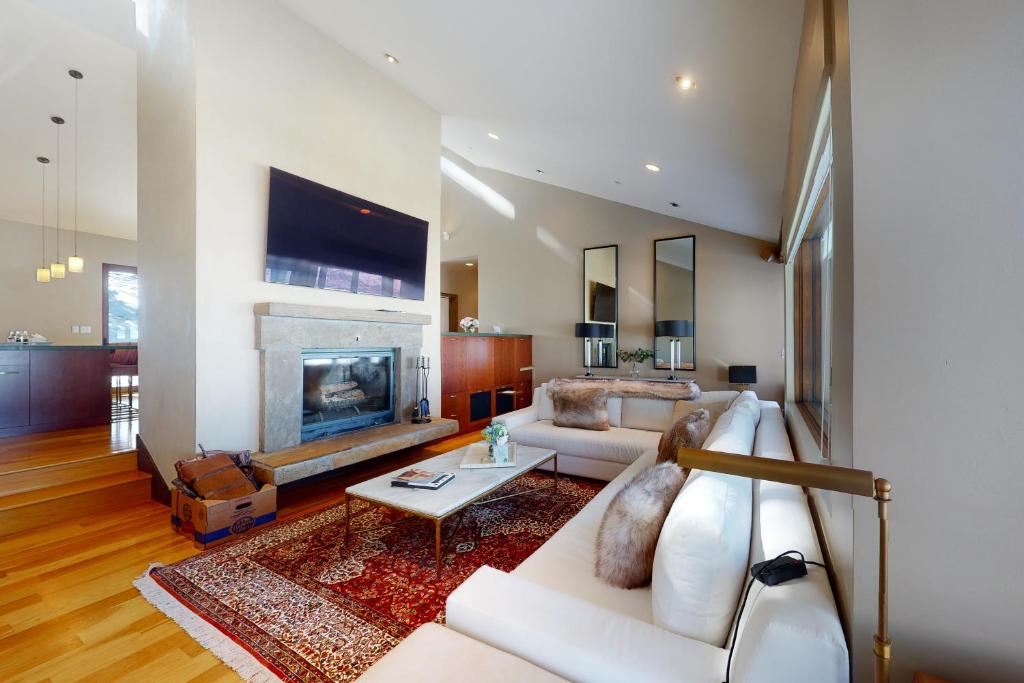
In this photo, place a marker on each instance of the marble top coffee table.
(469, 487)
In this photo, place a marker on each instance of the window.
(120, 304)
(810, 278)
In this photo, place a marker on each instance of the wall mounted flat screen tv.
(321, 237)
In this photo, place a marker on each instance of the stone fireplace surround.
(283, 331)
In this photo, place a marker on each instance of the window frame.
(107, 269)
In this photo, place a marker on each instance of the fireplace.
(344, 390)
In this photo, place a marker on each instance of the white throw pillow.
(701, 559)
(734, 431)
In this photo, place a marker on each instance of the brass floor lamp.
(829, 478)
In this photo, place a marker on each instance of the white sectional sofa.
(551, 613)
(636, 426)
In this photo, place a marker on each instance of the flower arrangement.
(637, 356)
(469, 324)
(495, 434)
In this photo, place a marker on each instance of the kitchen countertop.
(64, 347)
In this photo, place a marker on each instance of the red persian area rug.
(295, 603)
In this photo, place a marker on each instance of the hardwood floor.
(68, 611)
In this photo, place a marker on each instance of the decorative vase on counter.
(470, 325)
(634, 372)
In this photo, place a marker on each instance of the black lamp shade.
(673, 328)
(742, 374)
(594, 330)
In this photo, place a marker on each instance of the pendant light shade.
(43, 273)
(76, 264)
(56, 267)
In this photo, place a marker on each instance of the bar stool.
(125, 363)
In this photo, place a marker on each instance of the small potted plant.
(469, 324)
(496, 434)
(636, 357)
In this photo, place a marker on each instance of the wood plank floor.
(68, 611)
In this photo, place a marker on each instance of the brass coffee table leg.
(555, 466)
(348, 513)
(437, 548)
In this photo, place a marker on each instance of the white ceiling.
(584, 90)
(39, 42)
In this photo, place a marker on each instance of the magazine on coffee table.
(422, 479)
(484, 456)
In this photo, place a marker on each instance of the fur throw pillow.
(581, 407)
(688, 431)
(628, 536)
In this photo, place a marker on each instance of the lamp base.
(742, 387)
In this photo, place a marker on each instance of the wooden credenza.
(484, 375)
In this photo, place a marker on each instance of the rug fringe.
(222, 647)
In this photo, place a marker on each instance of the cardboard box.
(212, 522)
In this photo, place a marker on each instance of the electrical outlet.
(86, 329)
(75, 329)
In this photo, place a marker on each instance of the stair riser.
(74, 506)
(42, 477)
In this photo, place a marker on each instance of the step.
(43, 476)
(31, 509)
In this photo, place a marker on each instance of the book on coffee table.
(484, 456)
(422, 479)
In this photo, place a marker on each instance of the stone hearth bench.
(324, 455)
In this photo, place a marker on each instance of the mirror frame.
(615, 356)
(654, 266)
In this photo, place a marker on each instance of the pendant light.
(76, 264)
(57, 268)
(43, 273)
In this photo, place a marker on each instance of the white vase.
(501, 441)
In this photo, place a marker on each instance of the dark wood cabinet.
(53, 388)
(483, 376)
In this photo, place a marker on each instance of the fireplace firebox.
(345, 390)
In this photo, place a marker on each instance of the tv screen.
(321, 237)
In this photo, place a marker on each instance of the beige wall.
(52, 308)
(461, 280)
(273, 91)
(938, 329)
(531, 275)
(167, 247)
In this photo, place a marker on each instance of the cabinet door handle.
(10, 372)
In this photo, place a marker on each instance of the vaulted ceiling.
(584, 90)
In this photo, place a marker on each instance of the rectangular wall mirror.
(675, 303)
(601, 303)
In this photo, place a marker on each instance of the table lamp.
(674, 329)
(588, 332)
(828, 478)
(743, 375)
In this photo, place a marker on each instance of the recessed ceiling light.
(391, 58)
(653, 168)
(493, 136)
(675, 204)
(686, 83)
(469, 263)
(618, 182)
(540, 171)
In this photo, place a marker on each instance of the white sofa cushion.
(702, 557)
(651, 414)
(617, 444)
(566, 561)
(734, 431)
(573, 638)
(791, 631)
(435, 654)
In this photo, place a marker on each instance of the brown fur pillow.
(688, 431)
(628, 536)
(583, 408)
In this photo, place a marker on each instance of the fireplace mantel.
(284, 331)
